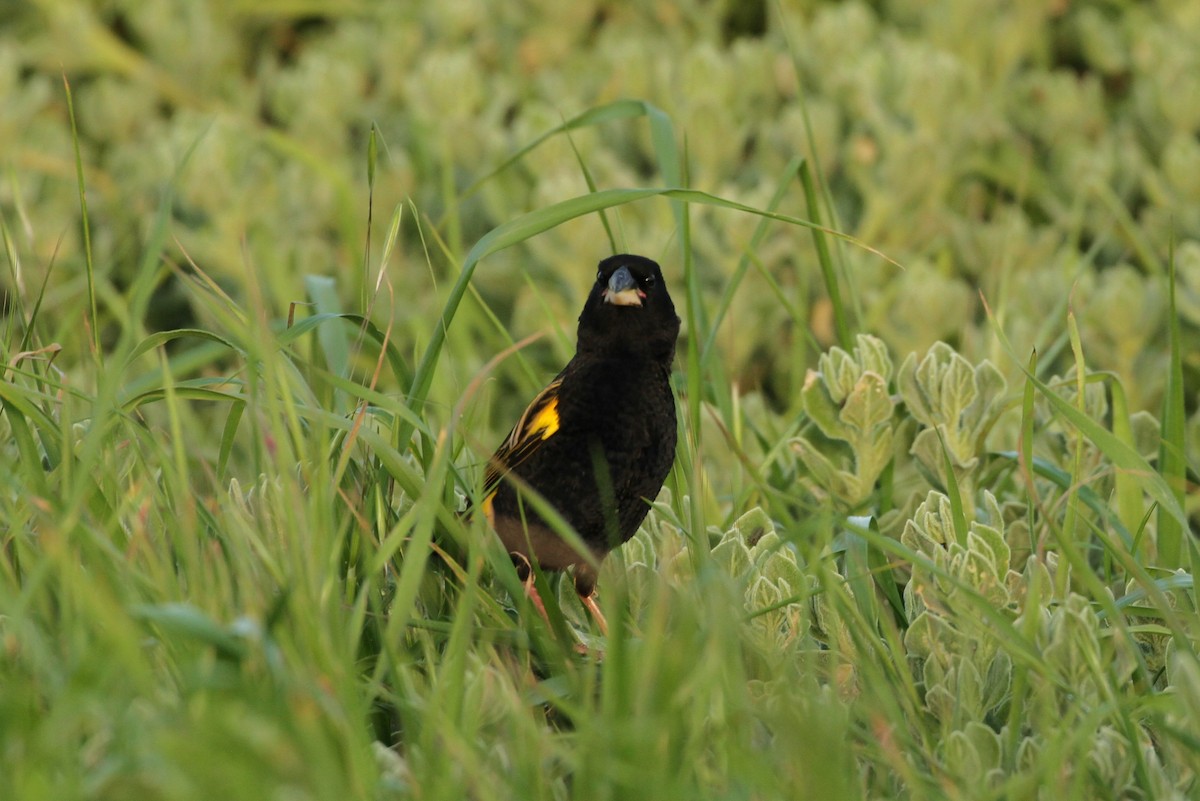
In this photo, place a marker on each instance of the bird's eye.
(600, 276)
(649, 280)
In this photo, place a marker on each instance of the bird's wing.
(539, 422)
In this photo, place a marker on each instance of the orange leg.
(589, 603)
(525, 572)
(532, 594)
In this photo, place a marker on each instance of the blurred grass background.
(883, 567)
(1026, 150)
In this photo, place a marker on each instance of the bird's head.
(629, 309)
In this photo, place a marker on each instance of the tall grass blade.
(829, 272)
(1172, 458)
(86, 230)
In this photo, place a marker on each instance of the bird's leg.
(525, 573)
(589, 602)
(585, 586)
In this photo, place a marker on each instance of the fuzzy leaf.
(998, 681)
(821, 407)
(873, 355)
(927, 635)
(989, 542)
(868, 405)
(731, 553)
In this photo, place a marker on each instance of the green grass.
(242, 407)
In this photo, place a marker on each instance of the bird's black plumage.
(598, 441)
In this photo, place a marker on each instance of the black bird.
(598, 442)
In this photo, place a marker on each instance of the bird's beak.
(622, 289)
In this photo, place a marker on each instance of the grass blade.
(1172, 460)
(828, 270)
(87, 230)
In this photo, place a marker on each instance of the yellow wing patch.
(488, 512)
(539, 422)
(545, 422)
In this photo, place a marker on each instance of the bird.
(598, 441)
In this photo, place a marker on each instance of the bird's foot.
(525, 572)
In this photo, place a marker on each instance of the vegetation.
(278, 277)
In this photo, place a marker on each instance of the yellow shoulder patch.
(489, 513)
(539, 422)
(545, 422)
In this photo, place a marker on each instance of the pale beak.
(622, 289)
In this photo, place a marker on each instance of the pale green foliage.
(847, 398)
(972, 581)
(966, 672)
(956, 403)
(750, 553)
(1187, 266)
